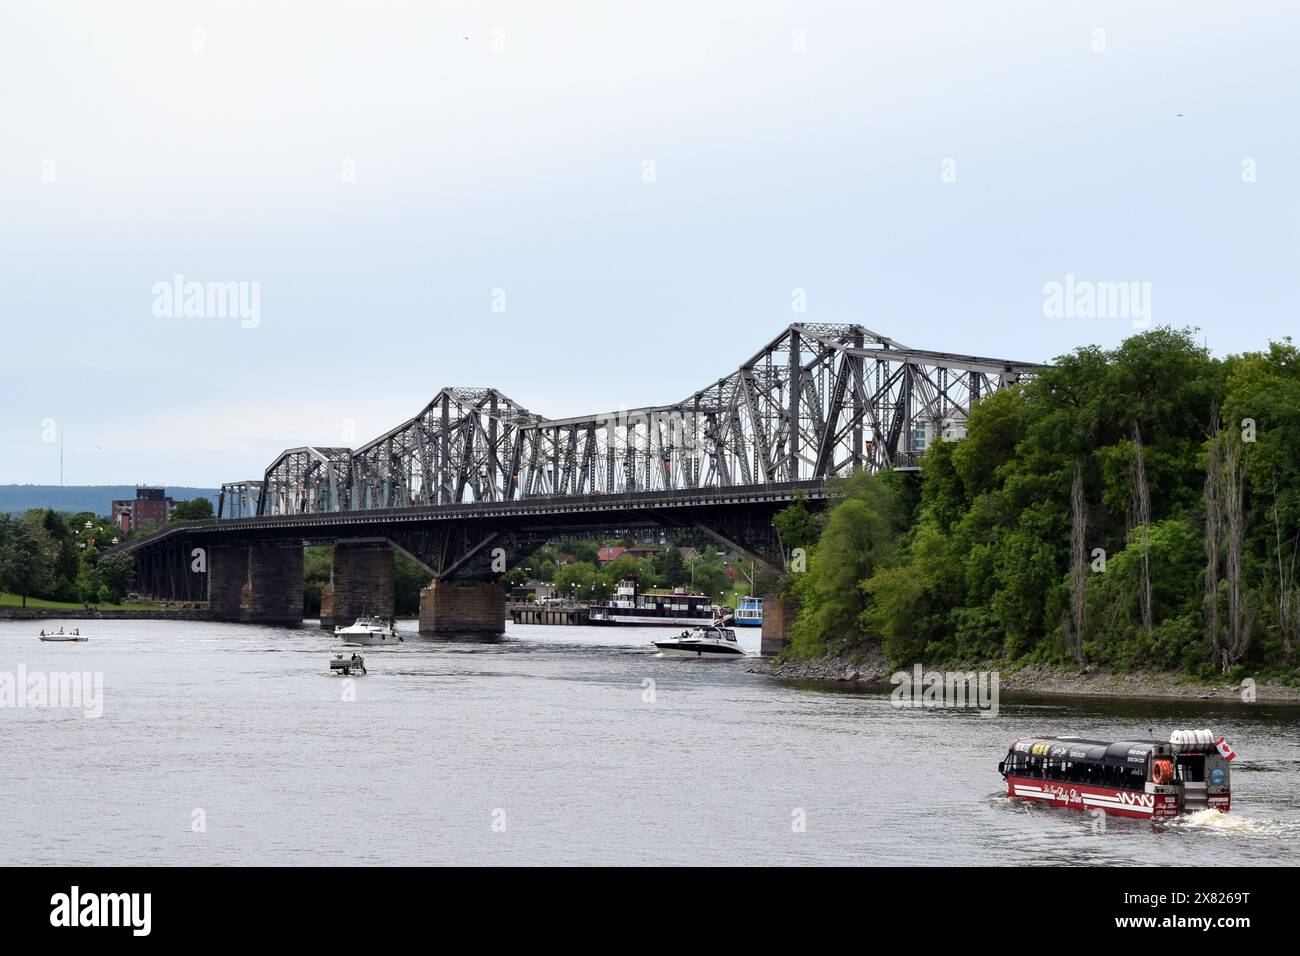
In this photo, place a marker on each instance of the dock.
(548, 613)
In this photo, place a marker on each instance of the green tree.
(27, 561)
(672, 569)
(796, 525)
(88, 578)
(117, 572)
(576, 580)
(317, 568)
(859, 537)
(707, 575)
(195, 509)
(409, 579)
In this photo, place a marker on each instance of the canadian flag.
(1222, 746)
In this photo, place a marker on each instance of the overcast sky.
(645, 183)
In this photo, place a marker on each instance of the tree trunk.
(1288, 604)
(1213, 539)
(1141, 519)
(1234, 519)
(1078, 563)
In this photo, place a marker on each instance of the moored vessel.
(676, 609)
(749, 612)
(1146, 779)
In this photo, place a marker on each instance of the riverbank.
(114, 614)
(873, 670)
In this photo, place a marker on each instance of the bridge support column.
(227, 575)
(451, 609)
(778, 617)
(273, 592)
(361, 582)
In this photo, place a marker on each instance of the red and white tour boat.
(1147, 779)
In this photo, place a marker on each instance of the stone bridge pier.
(473, 609)
(256, 583)
(361, 582)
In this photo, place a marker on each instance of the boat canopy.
(1122, 753)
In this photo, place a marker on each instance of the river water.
(229, 744)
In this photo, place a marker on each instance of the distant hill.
(16, 499)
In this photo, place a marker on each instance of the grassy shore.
(40, 604)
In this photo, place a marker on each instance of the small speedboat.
(710, 641)
(341, 664)
(368, 630)
(73, 635)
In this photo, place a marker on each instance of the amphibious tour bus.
(1148, 779)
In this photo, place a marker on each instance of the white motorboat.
(368, 630)
(73, 635)
(710, 641)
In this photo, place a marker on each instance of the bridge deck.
(550, 507)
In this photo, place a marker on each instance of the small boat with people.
(369, 630)
(72, 636)
(346, 665)
(1147, 779)
(711, 641)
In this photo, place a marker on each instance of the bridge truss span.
(818, 400)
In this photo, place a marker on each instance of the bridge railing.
(540, 505)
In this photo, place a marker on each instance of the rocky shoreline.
(873, 670)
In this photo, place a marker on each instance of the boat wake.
(1232, 823)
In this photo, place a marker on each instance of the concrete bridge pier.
(451, 609)
(361, 582)
(778, 618)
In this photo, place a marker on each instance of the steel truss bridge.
(475, 470)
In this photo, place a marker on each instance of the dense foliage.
(1095, 513)
(57, 557)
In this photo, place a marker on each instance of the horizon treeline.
(1137, 507)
